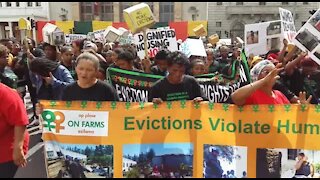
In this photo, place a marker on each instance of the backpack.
(306, 169)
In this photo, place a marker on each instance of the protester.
(197, 67)
(66, 60)
(77, 47)
(176, 85)
(88, 87)
(125, 60)
(160, 63)
(264, 75)
(7, 76)
(49, 78)
(14, 138)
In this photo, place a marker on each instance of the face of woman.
(75, 48)
(86, 71)
(67, 56)
(265, 71)
(198, 69)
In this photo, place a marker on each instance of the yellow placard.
(133, 127)
(213, 39)
(24, 24)
(139, 17)
(200, 31)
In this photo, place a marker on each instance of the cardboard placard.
(200, 31)
(308, 37)
(139, 17)
(157, 39)
(213, 39)
(111, 34)
(53, 35)
(24, 24)
(193, 47)
(98, 34)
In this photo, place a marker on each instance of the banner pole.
(145, 43)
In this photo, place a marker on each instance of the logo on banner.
(54, 120)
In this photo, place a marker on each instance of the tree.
(151, 154)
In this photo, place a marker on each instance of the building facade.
(11, 12)
(228, 19)
(64, 11)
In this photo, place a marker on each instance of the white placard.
(308, 37)
(72, 37)
(287, 24)
(260, 38)
(157, 39)
(193, 47)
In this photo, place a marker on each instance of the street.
(36, 164)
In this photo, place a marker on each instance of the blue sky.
(160, 149)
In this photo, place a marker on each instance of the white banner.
(72, 37)
(262, 37)
(157, 39)
(308, 37)
(76, 123)
(288, 28)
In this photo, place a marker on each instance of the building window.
(166, 11)
(86, 11)
(303, 22)
(218, 24)
(219, 33)
(305, 2)
(239, 3)
(29, 4)
(219, 3)
(123, 6)
(262, 3)
(38, 4)
(285, 3)
(17, 4)
(8, 4)
(106, 11)
(292, 154)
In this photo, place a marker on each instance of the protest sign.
(185, 135)
(287, 24)
(262, 37)
(307, 38)
(156, 39)
(98, 34)
(72, 37)
(139, 17)
(193, 47)
(135, 87)
(53, 35)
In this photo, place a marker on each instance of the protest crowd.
(77, 71)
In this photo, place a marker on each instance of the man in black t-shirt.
(176, 85)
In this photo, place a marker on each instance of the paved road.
(35, 157)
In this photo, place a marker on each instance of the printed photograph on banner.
(288, 163)
(274, 28)
(317, 52)
(170, 160)
(78, 160)
(252, 37)
(273, 43)
(315, 21)
(307, 39)
(224, 161)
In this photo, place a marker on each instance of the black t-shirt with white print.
(188, 89)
